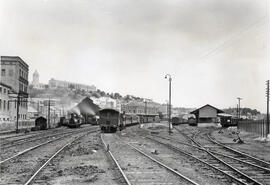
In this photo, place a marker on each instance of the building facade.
(106, 102)
(53, 83)
(14, 84)
(206, 114)
(140, 108)
(4, 103)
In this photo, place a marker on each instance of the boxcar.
(109, 120)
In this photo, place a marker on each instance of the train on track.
(111, 120)
(180, 120)
(74, 120)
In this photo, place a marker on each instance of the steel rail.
(30, 180)
(231, 167)
(30, 135)
(238, 152)
(36, 146)
(217, 153)
(232, 150)
(115, 161)
(198, 159)
(33, 139)
(163, 165)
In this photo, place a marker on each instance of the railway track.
(40, 145)
(32, 178)
(17, 138)
(32, 139)
(31, 161)
(149, 171)
(245, 167)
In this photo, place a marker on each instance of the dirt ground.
(87, 162)
(190, 168)
(84, 162)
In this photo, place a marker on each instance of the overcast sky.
(215, 50)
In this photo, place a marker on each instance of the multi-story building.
(140, 108)
(163, 109)
(53, 83)
(106, 102)
(14, 83)
(4, 103)
(39, 107)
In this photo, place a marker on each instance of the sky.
(215, 50)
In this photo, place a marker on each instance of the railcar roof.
(108, 110)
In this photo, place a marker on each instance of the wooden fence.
(253, 126)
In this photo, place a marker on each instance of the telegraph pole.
(49, 110)
(267, 103)
(17, 117)
(145, 110)
(239, 99)
(170, 86)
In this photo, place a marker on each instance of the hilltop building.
(53, 83)
(35, 83)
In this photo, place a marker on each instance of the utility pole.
(17, 117)
(239, 99)
(145, 110)
(170, 86)
(237, 111)
(49, 110)
(267, 103)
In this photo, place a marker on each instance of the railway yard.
(136, 155)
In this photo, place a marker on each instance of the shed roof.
(197, 110)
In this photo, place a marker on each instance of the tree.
(117, 96)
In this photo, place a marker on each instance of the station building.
(206, 114)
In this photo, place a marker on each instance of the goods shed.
(206, 114)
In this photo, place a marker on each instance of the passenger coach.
(109, 120)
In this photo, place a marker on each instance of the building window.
(0, 104)
(0, 89)
(3, 72)
(7, 105)
(10, 72)
(4, 103)
(5, 90)
(20, 87)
